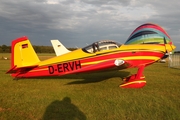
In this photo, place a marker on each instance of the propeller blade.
(165, 42)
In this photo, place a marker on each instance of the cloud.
(83, 21)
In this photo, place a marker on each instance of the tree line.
(38, 49)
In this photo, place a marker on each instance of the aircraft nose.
(169, 47)
(173, 47)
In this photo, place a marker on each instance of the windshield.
(101, 45)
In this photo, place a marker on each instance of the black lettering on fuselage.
(59, 67)
(78, 64)
(64, 67)
(51, 69)
(71, 65)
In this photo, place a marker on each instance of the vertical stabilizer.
(23, 53)
(59, 48)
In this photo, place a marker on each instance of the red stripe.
(151, 26)
(14, 42)
(121, 55)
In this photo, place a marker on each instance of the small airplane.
(138, 52)
(59, 48)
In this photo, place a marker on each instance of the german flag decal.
(25, 46)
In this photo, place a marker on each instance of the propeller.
(167, 54)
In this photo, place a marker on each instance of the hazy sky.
(81, 22)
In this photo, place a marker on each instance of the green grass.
(91, 96)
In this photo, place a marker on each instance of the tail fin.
(59, 48)
(22, 53)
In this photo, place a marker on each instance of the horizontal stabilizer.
(59, 48)
(16, 69)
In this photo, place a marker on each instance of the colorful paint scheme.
(148, 34)
(99, 56)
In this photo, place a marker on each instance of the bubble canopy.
(101, 45)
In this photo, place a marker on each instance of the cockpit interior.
(101, 45)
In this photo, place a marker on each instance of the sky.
(77, 23)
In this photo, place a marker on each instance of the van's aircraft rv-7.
(147, 44)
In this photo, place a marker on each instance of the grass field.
(93, 96)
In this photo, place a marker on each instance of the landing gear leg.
(136, 80)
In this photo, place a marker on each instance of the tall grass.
(91, 96)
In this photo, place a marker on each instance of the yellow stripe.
(141, 57)
(96, 62)
(126, 58)
(145, 47)
(137, 81)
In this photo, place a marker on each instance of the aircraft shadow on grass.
(91, 77)
(63, 110)
(98, 77)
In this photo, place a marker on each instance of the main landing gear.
(136, 80)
